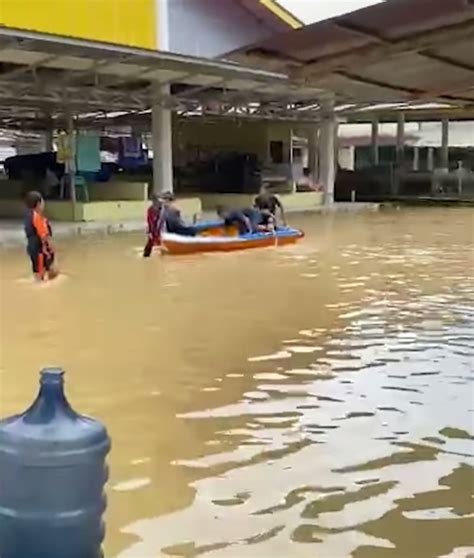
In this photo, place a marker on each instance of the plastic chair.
(82, 191)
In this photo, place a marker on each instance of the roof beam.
(18, 72)
(193, 90)
(447, 60)
(381, 84)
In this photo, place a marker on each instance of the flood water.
(311, 401)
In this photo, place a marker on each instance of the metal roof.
(413, 56)
(51, 75)
(399, 51)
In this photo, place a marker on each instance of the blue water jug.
(52, 476)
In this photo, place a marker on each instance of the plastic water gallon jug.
(52, 476)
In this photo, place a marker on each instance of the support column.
(290, 162)
(71, 164)
(313, 154)
(400, 155)
(162, 145)
(327, 151)
(445, 143)
(49, 134)
(400, 139)
(375, 142)
(430, 159)
(416, 158)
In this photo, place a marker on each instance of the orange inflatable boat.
(216, 239)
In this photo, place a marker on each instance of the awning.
(403, 51)
(43, 75)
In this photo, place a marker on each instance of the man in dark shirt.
(172, 217)
(246, 220)
(268, 204)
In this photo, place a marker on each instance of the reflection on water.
(311, 401)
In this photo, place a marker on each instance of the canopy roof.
(397, 51)
(413, 56)
(51, 75)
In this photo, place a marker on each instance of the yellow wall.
(11, 189)
(56, 210)
(124, 22)
(99, 211)
(118, 190)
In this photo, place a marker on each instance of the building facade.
(207, 28)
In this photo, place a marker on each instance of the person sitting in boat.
(172, 217)
(268, 204)
(246, 220)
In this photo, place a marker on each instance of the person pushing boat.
(155, 221)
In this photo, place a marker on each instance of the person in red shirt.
(154, 219)
(39, 238)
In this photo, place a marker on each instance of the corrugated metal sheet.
(397, 50)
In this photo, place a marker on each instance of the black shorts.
(41, 260)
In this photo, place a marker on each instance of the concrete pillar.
(400, 139)
(375, 142)
(313, 153)
(71, 163)
(430, 159)
(400, 155)
(162, 145)
(49, 134)
(327, 151)
(290, 161)
(445, 144)
(416, 158)
(268, 136)
(48, 140)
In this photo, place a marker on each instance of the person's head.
(220, 210)
(34, 200)
(167, 198)
(156, 201)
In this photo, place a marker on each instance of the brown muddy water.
(312, 401)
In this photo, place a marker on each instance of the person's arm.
(42, 230)
(248, 223)
(282, 210)
(160, 224)
(41, 227)
(149, 220)
(180, 219)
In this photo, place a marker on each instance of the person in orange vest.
(39, 238)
